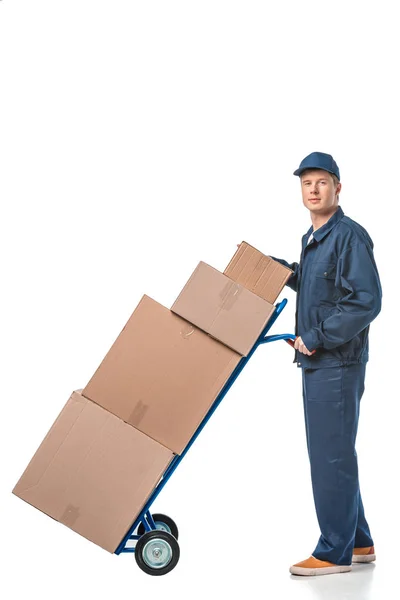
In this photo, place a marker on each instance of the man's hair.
(335, 183)
(335, 179)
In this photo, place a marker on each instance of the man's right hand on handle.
(300, 346)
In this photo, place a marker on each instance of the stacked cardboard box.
(114, 440)
(93, 472)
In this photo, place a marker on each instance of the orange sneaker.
(314, 566)
(364, 555)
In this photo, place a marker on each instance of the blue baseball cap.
(318, 160)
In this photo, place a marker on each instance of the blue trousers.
(331, 408)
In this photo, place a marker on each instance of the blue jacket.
(338, 293)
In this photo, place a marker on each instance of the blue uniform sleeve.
(358, 280)
(293, 280)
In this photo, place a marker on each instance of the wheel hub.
(162, 526)
(157, 553)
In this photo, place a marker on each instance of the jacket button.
(326, 273)
(299, 364)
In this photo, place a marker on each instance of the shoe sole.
(320, 570)
(366, 558)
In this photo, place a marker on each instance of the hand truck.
(156, 548)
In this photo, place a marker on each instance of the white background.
(136, 139)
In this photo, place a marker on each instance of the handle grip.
(291, 343)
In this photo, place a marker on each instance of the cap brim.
(298, 172)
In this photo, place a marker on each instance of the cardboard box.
(161, 375)
(257, 272)
(93, 472)
(224, 309)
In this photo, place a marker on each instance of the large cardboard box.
(224, 309)
(93, 472)
(161, 375)
(257, 272)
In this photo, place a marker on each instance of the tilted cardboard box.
(224, 309)
(93, 472)
(161, 375)
(257, 272)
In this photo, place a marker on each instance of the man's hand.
(299, 345)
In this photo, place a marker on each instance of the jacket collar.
(320, 233)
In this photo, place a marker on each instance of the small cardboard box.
(224, 309)
(258, 273)
(93, 472)
(161, 375)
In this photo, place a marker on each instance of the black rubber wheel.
(163, 523)
(157, 552)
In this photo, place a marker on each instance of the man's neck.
(320, 220)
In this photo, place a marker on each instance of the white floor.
(55, 562)
(362, 583)
(243, 504)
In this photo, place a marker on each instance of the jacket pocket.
(323, 287)
(324, 270)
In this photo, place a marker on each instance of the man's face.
(319, 191)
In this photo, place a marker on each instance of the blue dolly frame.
(156, 550)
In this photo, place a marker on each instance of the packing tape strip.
(138, 413)
(70, 515)
(187, 330)
(229, 295)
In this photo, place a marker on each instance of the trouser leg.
(331, 403)
(362, 537)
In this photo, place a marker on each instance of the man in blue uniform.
(338, 295)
